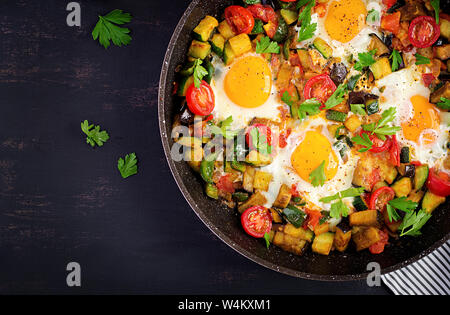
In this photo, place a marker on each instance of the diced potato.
(381, 68)
(258, 159)
(257, 199)
(262, 180)
(323, 243)
(283, 198)
(352, 123)
(416, 196)
(240, 44)
(248, 178)
(443, 52)
(402, 187)
(365, 237)
(321, 228)
(301, 233)
(364, 218)
(289, 243)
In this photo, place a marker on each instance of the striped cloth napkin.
(428, 276)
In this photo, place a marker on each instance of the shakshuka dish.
(323, 124)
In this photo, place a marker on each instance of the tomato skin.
(256, 221)
(263, 12)
(378, 247)
(225, 184)
(263, 130)
(283, 138)
(200, 100)
(313, 219)
(389, 3)
(428, 78)
(419, 31)
(321, 9)
(394, 152)
(373, 204)
(325, 89)
(391, 22)
(438, 184)
(240, 19)
(378, 144)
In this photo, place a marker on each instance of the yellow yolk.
(311, 152)
(249, 82)
(426, 118)
(345, 19)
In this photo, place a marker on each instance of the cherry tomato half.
(263, 131)
(423, 31)
(240, 19)
(225, 183)
(378, 247)
(438, 183)
(257, 221)
(320, 87)
(378, 144)
(428, 78)
(394, 152)
(391, 22)
(263, 12)
(389, 3)
(313, 219)
(381, 197)
(200, 100)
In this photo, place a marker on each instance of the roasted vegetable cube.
(283, 198)
(240, 44)
(257, 199)
(225, 30)
(352, 123)
(323, 243)
(205, 28)
(364, 237)
(402, 187)
(381, 68)
(262, 180)
(365, 218)
(199, 49)
(341, 239)
(248, 178)
(431, 201)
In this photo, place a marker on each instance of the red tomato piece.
(312, 219)
(226, 184)
(378, 144)
(389, 3)
(263, 12)
(391, 22)
(438, 183)
(428, 78)
(321, 9)
(380, 198)
(263, 131)
(423, 31)
(394, 152)
(378, 247)
(320, 87)
(240, 19)
(200, 100)
(283, 138)
(257, 221)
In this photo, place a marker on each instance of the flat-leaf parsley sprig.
(107, 29)
(127, 166)
(94, 135)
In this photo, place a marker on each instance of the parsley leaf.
(301, 3)
(267, 239)
(128, 166)
(402, 204)
(307, 29)
(307, 32)
(106, 29)
(337, 97)
(358, 109)
(436, 6)
(396, 60)
(94, 136)
(380, 128)
(373, 16)
(421, 60)
(444, 104)
(340, 209)
(199, 72)
(414, 221)
(317, 176)
(223, 129)
(259, 141)
(365, 60)
(363, 141)
(266, 46)
(310, 106)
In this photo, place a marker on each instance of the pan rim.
(215, 230)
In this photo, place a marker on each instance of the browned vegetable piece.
(283, 198)
(411, 10)
(289, 243)
(276, 217)
(426, 52)
(368, 165)
(341, 239)
(262, 180)
(416, 196)
(443, 52)
(392, 226)
(365, 218)
(377, 44)
(321, 228)
(364, 237)
(444, 91)
(248, 178)
(257, 199)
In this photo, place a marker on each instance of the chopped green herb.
(363, 141)
(444, 103)
(199, 72)
(307, 29)
(267, 239)
(317, 176)
(365, 60)
(106, 29)
(396, 60)
(358, 109)
(373, 16)
(266, 46)
(421, 60)
(337, 97)
(436, 6)
(402, 204)
(413, 222)
(128, 166)
(94, 136)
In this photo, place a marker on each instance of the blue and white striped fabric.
(428, 276)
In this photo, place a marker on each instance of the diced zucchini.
(286, 50)
(323, 243)
(352, 123)
(276, 217)
(405, 156)
(360, 204)
(431, 201)
(218, 44)
(420, 177)
(285, 5)
(341, 239)
(402, 187)
(240, 196)
(184, 84)
(205, 28)
(228, 54)
(225, 30)
(364, 218)
(364, 237)
(240, 44)
(212, 191)
(257, 199)
(336, 116)
(381, 68)
(445, 28)
(238, 166)
(305, 58)
(199, 49)
(188, 69)
(210, 69)
(372, 106)
(282, 30)
(262, 180)
(258, 28)
(283, 198)
(322, 46)
(378, 185)
(289, 16)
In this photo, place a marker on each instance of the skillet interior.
(225, 223)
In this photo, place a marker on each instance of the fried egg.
(244, 90)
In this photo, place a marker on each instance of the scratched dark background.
(62, 201)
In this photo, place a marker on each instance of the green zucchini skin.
(372, 106)
(282, 30)
(336, 116)
(421, 176)
(405, 155)
(360, 204)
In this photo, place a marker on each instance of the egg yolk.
(249, 81)
(426, 118)
(345, 19)
(311, 153)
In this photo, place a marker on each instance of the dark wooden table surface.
(62, 201)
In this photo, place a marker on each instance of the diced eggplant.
(443, 91)
(407, 170)
(186, 116)
(377, 44)
(344, 225)
(396, 6)
(338, 73)
(365, 218)
(364, 237)
(342, 239)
